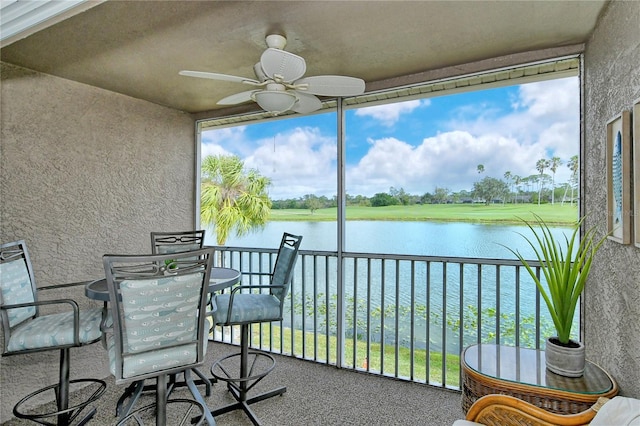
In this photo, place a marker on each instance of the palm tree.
(541, 165)
(509, 178)
(232, 198)
(553, 166)
(573, 165)
(517, 180)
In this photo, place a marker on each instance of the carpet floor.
(316, 395)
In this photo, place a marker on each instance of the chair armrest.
(71, 302)
(250, 286)
(106, 326)
(238, 288)
(499, 410)
(74, 306)
(234, 290)
(257, 274)
(55, 286)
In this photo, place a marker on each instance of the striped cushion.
(55, 330)
(247, 308)
(149, 362)
(16, 288)
(176, 248)
(160, 311)
(159, 324)
(285, 257)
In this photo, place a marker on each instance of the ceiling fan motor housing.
(276, 41)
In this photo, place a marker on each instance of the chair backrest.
(285, 262)
(176, 242)
(17, 285)
(158, 312)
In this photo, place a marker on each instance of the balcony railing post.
(460, 301)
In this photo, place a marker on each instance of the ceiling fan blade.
(238, 98)
(331, 85)
(216, 76)
(306, 103)
(282, 66)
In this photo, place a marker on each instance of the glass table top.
(527, 366)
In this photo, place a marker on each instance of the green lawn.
(404, 355)
(508, 213)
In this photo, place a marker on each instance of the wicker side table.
(520, 372)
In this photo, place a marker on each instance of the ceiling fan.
(280, 85)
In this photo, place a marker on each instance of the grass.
(372, 363)
(508, 213)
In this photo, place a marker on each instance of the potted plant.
(565, 272)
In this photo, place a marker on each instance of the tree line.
(236, 199)
(510, 188)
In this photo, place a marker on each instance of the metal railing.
(401, 316)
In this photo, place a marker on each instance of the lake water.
(443, 239)
(457, 239)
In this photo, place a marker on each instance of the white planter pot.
(563, 360)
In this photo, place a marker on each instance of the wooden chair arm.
(500, 410)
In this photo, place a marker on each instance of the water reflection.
(456, 239)
(398, 289)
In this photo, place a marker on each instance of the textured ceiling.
(138, 47)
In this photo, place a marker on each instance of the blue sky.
(415, 145)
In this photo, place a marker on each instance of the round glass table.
(220, 279)
(522, 373)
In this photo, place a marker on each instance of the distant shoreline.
(493, 213)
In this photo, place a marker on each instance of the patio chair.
(175, 242)
(163, 242)
(28, 329)
(243, 307)
(158, 322)
(499, 410)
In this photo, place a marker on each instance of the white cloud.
(302, 160)
(544, 123)
(210, 149)
(222, 141)
(446, 160)
(389, 114)
(298, 162)
(545, 113)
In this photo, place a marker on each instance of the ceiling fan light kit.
(275, 102)
(280, 86)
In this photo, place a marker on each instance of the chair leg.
(198, 396)
(161, 401)
(205, 380)
(62, 394)
(240, 386)
(133, 392)
(65, 415)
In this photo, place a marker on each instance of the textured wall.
(84, 172)
(612, 295)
